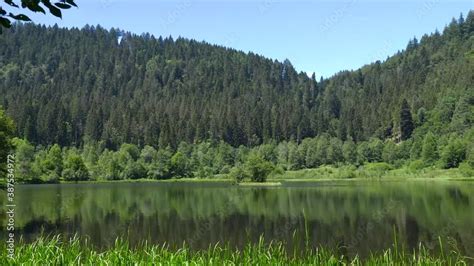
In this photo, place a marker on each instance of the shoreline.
(320, 174)
(268, 183)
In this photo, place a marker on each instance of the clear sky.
(316, 36)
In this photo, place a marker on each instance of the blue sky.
(316, 36)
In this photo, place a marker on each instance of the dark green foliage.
(109, 166)
(404, 149)
(470, 148)
(209, 159)
(322, 145)
(258, 168)
(25, 156)
(467, 167)
(48, 165)
(416, 147)
(376, 147)
(429, 152)
(335, 151)
(7, 129)
(406, 121)
(312, 159)
(160, 168)
(370, 151)
(390, 152)
(74, 168)
(421, 116)
(130, 150)
(239, 173)
(453, 153)
(156, 91)
(134, 170)
(463, 115)
(295, 157)
(147, 90)
(363, 152)
(160, 108)
(34, 6)
(179, 165)
(349, 151)
(56, 158)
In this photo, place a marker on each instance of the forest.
(97, 104)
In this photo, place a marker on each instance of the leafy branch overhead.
(6, 18)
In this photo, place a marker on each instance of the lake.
(353, 216)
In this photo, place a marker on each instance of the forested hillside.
(93, 104)
(63, 85)
(67, 85)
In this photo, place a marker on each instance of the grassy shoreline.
(53, 251)
(320, 174)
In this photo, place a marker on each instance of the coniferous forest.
(103, 104)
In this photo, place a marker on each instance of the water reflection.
(356, 217)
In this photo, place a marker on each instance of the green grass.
(326, 173)
(147, 180)
(368, 171)
(259, 184)
(52, 251)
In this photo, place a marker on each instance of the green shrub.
(376, 169)
(466, 169)
(277, 170)
(75, 169)
(416, 165)
(134, 170)
(379, 167)
(453, 154)
(258, 168)
(429, 151)
(346, 172)
(239, 173)
(179, 165)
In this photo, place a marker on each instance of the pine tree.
(406, 121)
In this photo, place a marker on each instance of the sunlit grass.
(368, 171)
(55, 251)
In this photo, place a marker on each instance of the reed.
(56, 251)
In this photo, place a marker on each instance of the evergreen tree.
(155, 94)
(180, 108)
(406, 121)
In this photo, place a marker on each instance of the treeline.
(212, 159)
(68, 85)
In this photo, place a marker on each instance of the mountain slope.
(66, 85)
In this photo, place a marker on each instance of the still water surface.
(354, 216)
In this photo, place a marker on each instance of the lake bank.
(324, 173)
